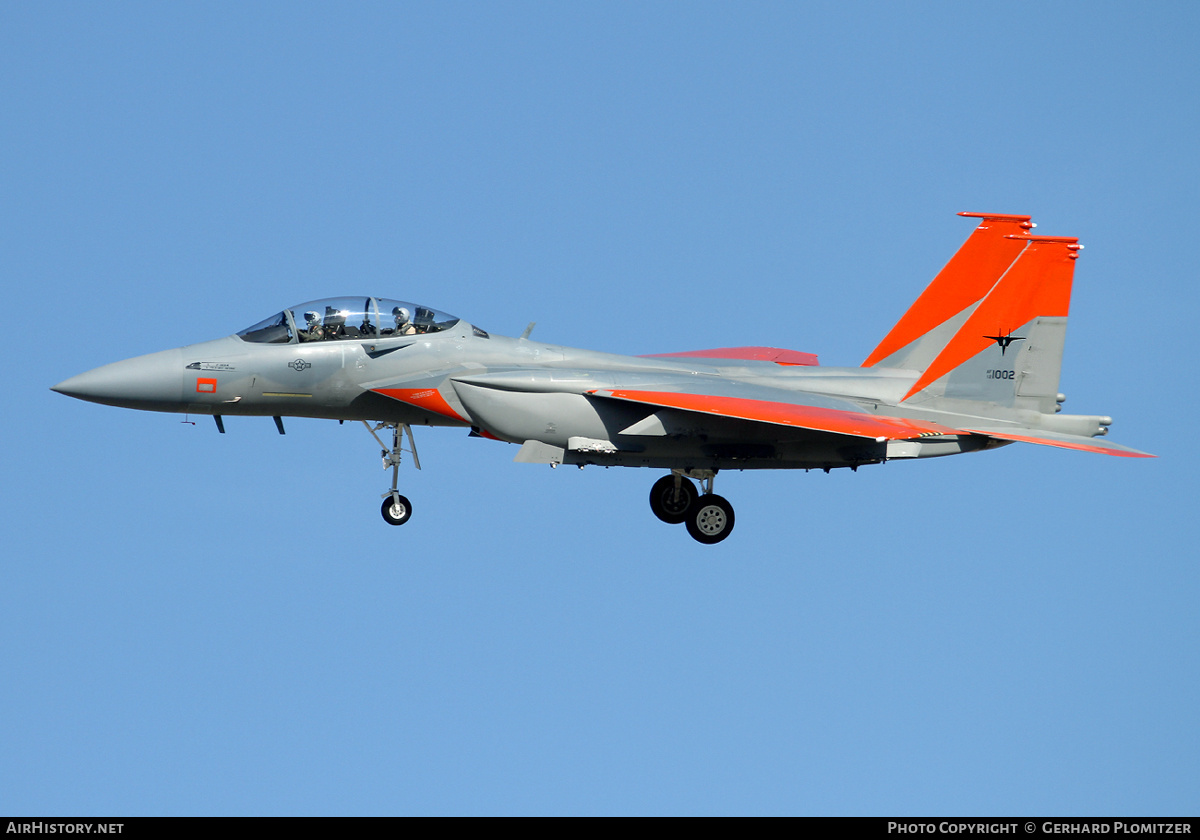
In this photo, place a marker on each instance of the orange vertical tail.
(1038, 285)
(970, 274)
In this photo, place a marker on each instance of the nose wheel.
(675, 500)
(396, 509)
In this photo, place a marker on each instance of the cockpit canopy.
(335, 319)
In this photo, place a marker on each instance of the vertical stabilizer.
(941, 309)
(1008, 351)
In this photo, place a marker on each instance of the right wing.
(841, 421)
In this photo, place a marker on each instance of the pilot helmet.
(312, 317)
(401, 314)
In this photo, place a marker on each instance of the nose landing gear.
(396, 509)
(707, 516)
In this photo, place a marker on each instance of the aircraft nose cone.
(149, 382)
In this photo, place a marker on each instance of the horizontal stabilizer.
(746, 354)
(835, 421)
(1084, 444)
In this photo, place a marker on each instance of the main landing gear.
(396, 509)
(707, 516)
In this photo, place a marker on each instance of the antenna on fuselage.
(529, 329)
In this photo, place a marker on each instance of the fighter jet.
(940, 383)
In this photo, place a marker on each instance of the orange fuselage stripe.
(427, 398)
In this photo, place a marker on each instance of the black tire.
(710, 519)
(666, 505)
(396, 510)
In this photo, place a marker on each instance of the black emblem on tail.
(1005, 339)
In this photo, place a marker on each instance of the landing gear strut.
(396, 509)
(707, 516)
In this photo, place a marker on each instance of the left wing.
(747, 354)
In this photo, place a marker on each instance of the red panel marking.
(206, 386)
(427, 398)
(753, 354)
(1085, 447)
(1037, 285)
(971, 272)
(787, 414)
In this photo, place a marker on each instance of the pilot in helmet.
(403, 323)
(313, 330)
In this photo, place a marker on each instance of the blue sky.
(204, 624)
